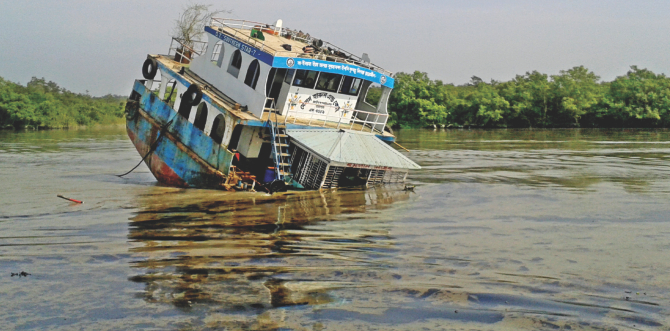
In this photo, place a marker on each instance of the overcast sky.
(100, 45)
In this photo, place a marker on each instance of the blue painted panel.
(201, 144)
(244, 47)
(334, 67)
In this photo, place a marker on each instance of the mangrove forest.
(573, 98)
(42, 104)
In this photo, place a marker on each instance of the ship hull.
(176, 153)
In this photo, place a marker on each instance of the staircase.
(280, 141)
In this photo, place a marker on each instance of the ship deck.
(316, 123)
(272, 44)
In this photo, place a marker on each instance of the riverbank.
(41, 104)
(573, 98)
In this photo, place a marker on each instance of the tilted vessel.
(260, 105)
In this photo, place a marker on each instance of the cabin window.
(235, 64)
(235, 137)
(217, 54)
(252, 74)
(289, 76)
(351, 85)
(271, 78)
(218, 128)
(373, 94)
(185, 108)
(273, 85)
(201, 116)
(328, 82)
(305, 78)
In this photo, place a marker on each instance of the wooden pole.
(401, 146)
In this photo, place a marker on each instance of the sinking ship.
(258, 106)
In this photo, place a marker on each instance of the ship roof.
(276, 37)
(351, 147)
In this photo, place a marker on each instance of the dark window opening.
(305, 78)
(273, 87)
(235, 137)
(373, 94)
(252, 74)
(218, 128)
(289, 76)
(328, 82)
(354, 177)
(185, 107)
(201, 116)
(235, 63)
(351, 85)
(271, 78)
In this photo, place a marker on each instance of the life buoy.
(149, 68)
(194, 94)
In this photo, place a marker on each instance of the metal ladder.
(280, 141)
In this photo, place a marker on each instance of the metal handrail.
(181, 47)
(281, 169)
(235, 24)
(371, 120)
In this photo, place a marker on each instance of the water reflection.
(245, 252)
(508, 229)
(578, 160)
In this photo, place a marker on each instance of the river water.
(505, 230)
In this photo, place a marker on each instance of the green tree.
(575, 92)
(640, 98)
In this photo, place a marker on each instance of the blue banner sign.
(333, 67)
(253, 51)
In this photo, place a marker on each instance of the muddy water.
(506, 230)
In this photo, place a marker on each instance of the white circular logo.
(290, 62)
(383, 79)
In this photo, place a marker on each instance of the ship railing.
(149, 84)
(235, 25)
(269, 107)
(337, 117)
(185, 52)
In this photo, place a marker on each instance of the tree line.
(42, 104)
(573, 98)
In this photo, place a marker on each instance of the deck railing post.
(366, 121)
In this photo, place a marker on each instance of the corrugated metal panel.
(351, 147)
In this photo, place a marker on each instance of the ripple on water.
(507, 229)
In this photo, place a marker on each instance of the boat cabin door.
(274, 86)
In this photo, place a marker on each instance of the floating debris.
(20, 274)
(69, 199)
